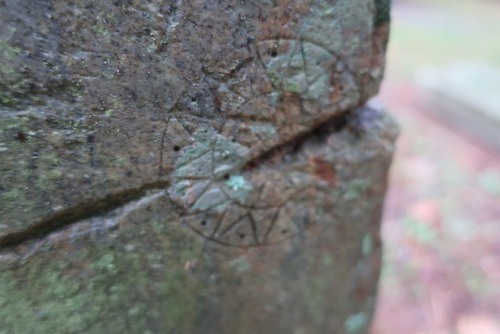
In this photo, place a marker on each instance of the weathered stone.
(191, 166)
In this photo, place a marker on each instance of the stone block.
(191, 166)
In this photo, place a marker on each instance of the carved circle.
(232, 208)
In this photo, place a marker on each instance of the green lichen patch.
(106, 288)
(7, 51)
(99, 30)
(356, 323)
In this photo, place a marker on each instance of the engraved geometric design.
(225, 206)
(298, 66)
(288, 67)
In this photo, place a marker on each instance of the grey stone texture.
(191, 166)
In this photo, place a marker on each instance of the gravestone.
(191, 166)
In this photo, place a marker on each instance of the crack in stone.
(162, 149)
(331, 125)
(206, 216)
(97, 207)
(72, 215)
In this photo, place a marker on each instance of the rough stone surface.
(191, 166)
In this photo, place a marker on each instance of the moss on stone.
(9, 52)
(99, 30)
(105, 288)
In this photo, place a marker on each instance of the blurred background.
(442, 220)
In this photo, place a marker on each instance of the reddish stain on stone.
(323, 170)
